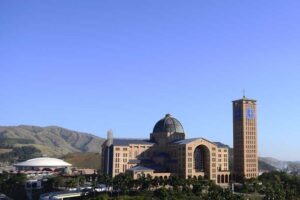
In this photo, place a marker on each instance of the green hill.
(51, 141)
(264, 166)
(84, 160)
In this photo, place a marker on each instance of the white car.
(101, 188)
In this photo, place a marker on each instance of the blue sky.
(122, 65)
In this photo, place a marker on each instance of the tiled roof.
(140, 168)
(221, 145)
(186, 141)
(137, 161)
(126, 142)
(134, 161)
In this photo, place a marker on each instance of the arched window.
(226, 179)
(201, 159)
(222, 179)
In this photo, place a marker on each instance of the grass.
(84, 160)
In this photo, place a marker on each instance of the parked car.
(101, 188)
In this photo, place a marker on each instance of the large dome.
(168, 124)
(43, 162)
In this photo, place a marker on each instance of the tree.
(161, 193)
(123, 183)
(155, 182)
(197, 189)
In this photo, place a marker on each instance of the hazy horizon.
(99, 65)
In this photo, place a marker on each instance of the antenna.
(244, 93)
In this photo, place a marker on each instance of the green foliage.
(10, 142)
(13, 185)
(123, 182)
(162, 193)
(20, 153)
(164, 189)
(275, 185)
(60, 181)
(197, 189)
(100, 197)
(84, 159)
(56, 140)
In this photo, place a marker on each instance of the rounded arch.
(222, 178)
(202, 159)
(219, 179)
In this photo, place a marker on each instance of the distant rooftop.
(221, 145)
(134, 161)
(186, 141)
(127, 141)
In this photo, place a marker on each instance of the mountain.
(288, 166)
(278, 164)
(50, 141)
(263, 164)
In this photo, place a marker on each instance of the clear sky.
(122, 65)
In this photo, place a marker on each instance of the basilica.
(166, 153)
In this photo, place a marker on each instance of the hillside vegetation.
(84, 160)
(51, 141)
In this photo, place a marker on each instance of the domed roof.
(43, 162)
(168, 124)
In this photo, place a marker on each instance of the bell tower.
(245, 139)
